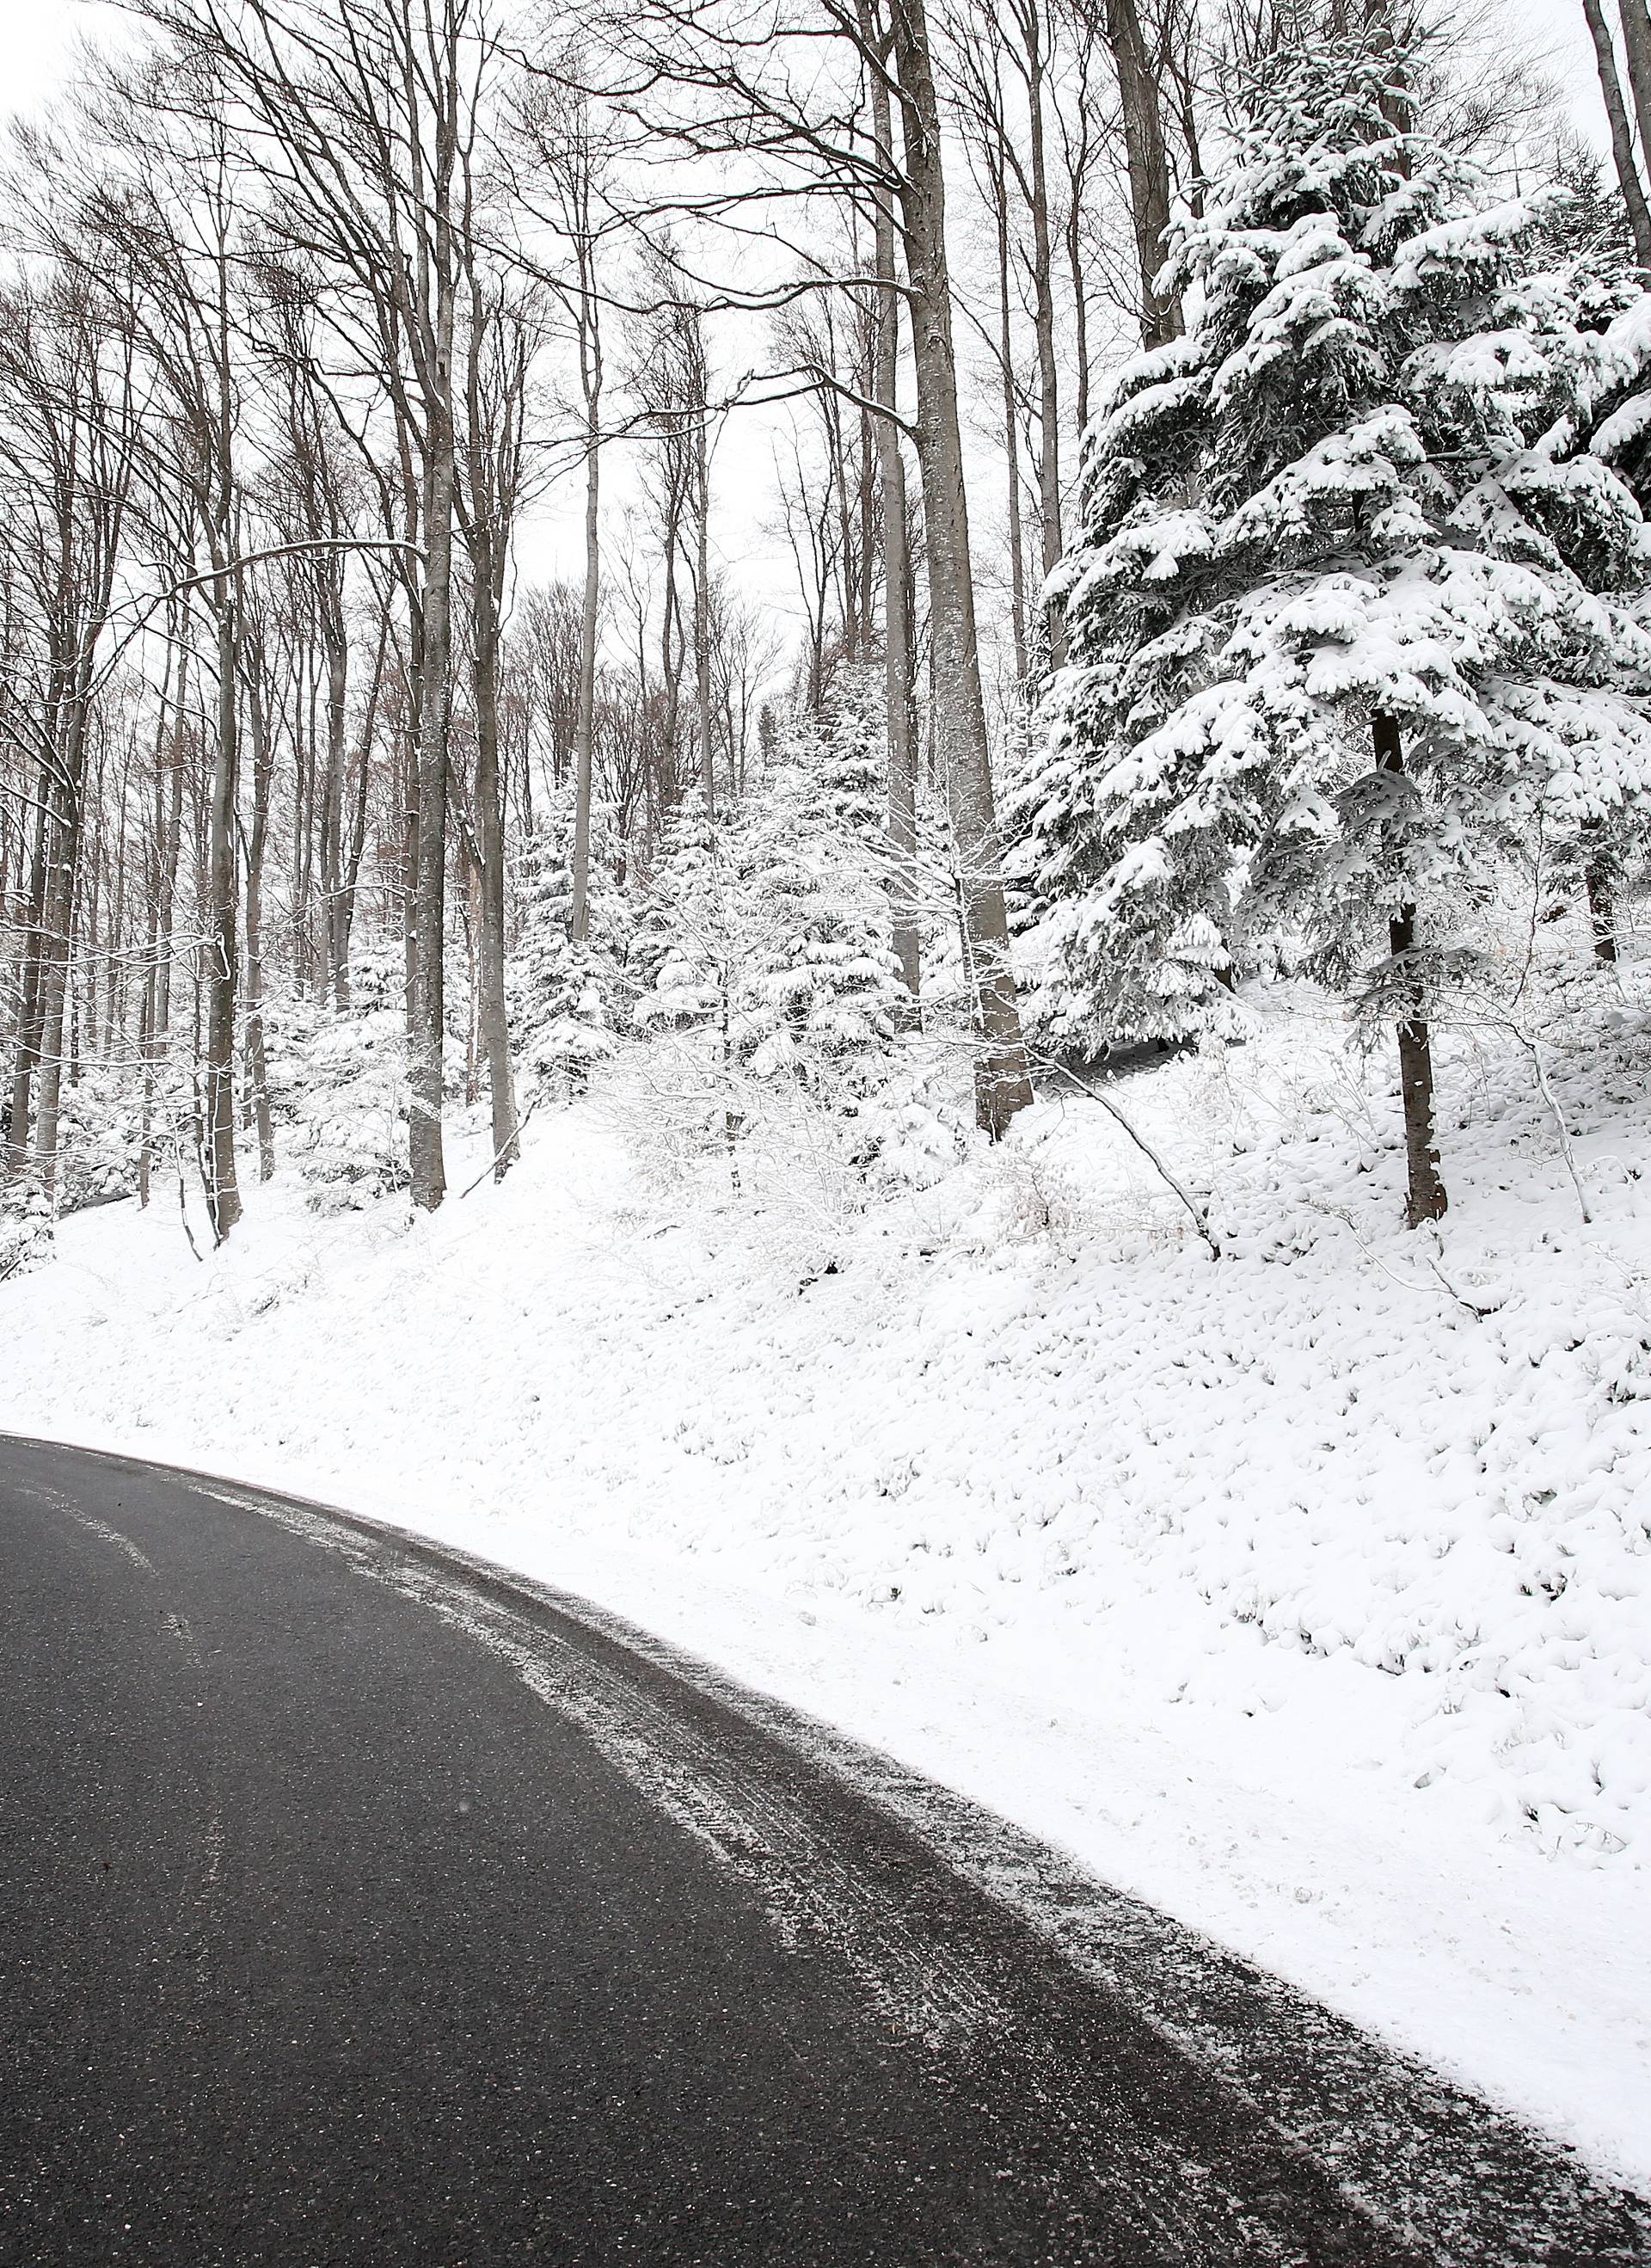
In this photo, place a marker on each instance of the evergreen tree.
(768, 931)
(848, 753)
(564, 996)
(679, 955)
(1352, 619)
(816, 995)
(340, 1082)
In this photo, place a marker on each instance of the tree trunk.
(157, 1014)
(495, 1037)
(897, 588)
(702, 610)
(358, 823)
(28, 1036)
(335, 934)
(1636, 41)
(1080, 307)
(585, 729)
(1001, 1085)
(58, 924)
(1602, 912)
(429, 909)
(1621, 133)
(1149, 165)
(1426, 1195)
(1043, 330)
(257, 1060)
(1011, 435)
(223, 1196)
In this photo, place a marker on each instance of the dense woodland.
(1056, 511)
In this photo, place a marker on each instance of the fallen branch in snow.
(1501, 1019)
(1346, 1216)
(1533, 1048)
(1200, 1219)
(1474, 1308)
(509, 1143)
(183, 1209)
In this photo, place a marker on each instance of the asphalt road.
(360, 1908)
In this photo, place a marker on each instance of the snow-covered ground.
(1305, 1593)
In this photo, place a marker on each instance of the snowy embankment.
(1306, 1592)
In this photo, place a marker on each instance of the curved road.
(361, 1907)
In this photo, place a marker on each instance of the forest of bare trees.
(451, 451)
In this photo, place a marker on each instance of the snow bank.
(1303, 1592)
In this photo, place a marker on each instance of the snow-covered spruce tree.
(817, 991)
(764, 938)
(680, 953)
(844, 749)
(1349, 621)
(564, 996)
(339, 1084)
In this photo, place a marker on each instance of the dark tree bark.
(499, 349)
(1147, 158)
(1003, 1087)
(1035, 65)
(1633, 188)
(897, 580)
(257, 841)
(1636, 41)
(1602, 911)
(223, 1190)
(1425, 1198)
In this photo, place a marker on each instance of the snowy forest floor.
(1306, 1593)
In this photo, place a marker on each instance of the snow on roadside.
(1303, 1593)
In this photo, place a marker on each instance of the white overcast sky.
(38, 39)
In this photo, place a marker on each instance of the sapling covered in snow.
(1353, 620)
(678, 955)
(764, 934)
(566, 998)
(816, 992)
(339, 1083)
(26, 1226)
(845, 750)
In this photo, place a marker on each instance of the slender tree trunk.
(335, 934)
(59, 924)
(1621, 133)
(115, 1006)
(1001, 1083)
(1080, 308)
(495, 1038)
(1149, 165)
(408, 769)
(670, 656)
(1636, 41)
(157, 1016)
(29, 1036)
(1426, 1194)
(1011, 437)
(896, 586)
(428, 1172)
(257, 1058)
(584, 730)
(223, 1196)
(358, 823)
(1044, 330)
(702, 610)
(1602, 912)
